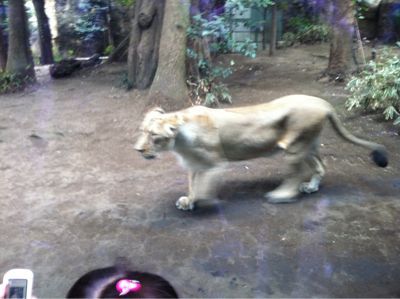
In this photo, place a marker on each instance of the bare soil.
(75, 196)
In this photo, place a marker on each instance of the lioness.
(205, 138)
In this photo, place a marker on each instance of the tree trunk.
(341, 18)
(20, 61)
(273, 32)
(3, 51)
(170, 78)
(144, 42)
(3, 41)
(46, 51)
(109, 23)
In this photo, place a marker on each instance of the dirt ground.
(75, 195)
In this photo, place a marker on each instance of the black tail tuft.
(380, 157)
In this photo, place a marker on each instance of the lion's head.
(157, 133)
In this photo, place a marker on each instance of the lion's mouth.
(149, 156)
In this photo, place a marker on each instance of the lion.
(204, 139)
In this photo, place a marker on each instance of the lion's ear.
(158, 109)
(171, 130)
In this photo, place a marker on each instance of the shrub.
(127, 3)
(12, 82)
(303, 30)
(206, 86)
(108, 50)
(124, 82)
(377, 87)
(209, 91)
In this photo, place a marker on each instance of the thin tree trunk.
(46, 51)
(134, 40)
(3, 42)
(3, 51)
(170, 78)
(119, 52)
(272, 41)
(110, 36)
(264, 32)
(20, 61)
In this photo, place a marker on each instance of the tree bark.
(3, 51)
(144, 42)
(341, 18)
(273, 32)
(20, 61)
(3, 41)
(110, 37)
(170, 78)
(46, 50)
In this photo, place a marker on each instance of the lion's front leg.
(187, 202)
(202, 185)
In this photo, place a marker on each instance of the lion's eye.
(159, 139)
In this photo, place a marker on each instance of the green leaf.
(210, 99)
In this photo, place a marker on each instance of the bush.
(313, 33)
(108, 50)
(303, 30)
(12, 82)
(377, 87)
(206, 87)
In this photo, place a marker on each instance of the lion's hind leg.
(289, 189)
(299, 148)
(317, 166)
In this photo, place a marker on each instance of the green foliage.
(4, 16)
(108, 50)
(303, 30)
(360, 8)
(241, 4)
(56, 53)
(124, 82)
(12, 82)
(289, 39)
(377, 88)
(126, 3)
(91, 21)
(208, 89)
(217, 30)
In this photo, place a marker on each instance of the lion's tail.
(379, 153)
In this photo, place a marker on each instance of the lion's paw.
(308, 188)
(280, 196)
(184, 203)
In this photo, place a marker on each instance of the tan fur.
(205, 138)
